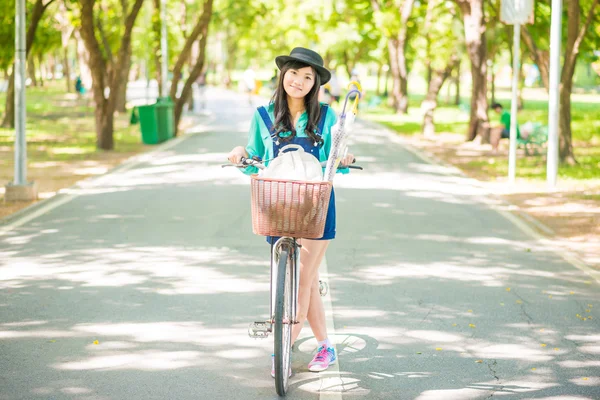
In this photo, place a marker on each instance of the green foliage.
(47, 36)
(7, 33)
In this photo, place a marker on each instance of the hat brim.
(323, 72)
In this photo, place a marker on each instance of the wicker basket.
(289, 208)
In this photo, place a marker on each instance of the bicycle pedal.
(323, 288)
(259, 330)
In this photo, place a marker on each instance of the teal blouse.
(260, 142)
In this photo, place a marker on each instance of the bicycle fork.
(262, 329)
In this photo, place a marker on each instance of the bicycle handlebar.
(257, 162)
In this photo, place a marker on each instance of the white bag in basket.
(295, 165)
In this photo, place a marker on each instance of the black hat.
(309, 57)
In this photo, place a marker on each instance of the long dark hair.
(283, 119)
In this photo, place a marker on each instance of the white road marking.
(331, 381)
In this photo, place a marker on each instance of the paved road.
(141, 284)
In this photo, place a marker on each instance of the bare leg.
(316, 312)
(311, 255)
(495, 136)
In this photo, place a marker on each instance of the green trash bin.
(148, 124)
(164, 118)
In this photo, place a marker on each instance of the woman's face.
(298, 82)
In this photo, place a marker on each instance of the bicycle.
(289, 210)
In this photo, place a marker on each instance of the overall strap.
(265, 117)
(322, 119)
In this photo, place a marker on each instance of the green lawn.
(451, 118)
(61, 127)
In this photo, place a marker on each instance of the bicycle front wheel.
(283, 321)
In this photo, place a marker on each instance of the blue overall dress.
(310, 147)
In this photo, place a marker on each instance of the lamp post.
(554, 98)
(19, 189)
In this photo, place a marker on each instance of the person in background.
(502, 130)
(335, 88)
(249, 79)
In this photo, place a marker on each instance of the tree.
(101, 76)
(199, 31)
(441, 55)
(36, 15)
(578, 21)
(474, 26)
(397, 31)
(66, 28)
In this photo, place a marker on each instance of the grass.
(61, 143)
(585, 123)
(61, 127)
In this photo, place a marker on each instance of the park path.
(140, 285)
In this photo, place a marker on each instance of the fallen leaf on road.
(508, 289)
(96, 342)
(519, 302)
(438, 348)
(471, 325)
(543, 345)
(479, 361)
(533, 369)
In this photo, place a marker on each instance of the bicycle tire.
(283, 321)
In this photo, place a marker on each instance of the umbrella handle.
(358, 92)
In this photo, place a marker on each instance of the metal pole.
(19, 75)
(512, 155)
(163, 47)
(554, 98)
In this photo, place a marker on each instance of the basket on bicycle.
(289, 208)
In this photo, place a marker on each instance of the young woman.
(295, 116)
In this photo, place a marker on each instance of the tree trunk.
(157, 48)
(575, 36)
(474, 23)
(105, 107)
(121, 105)
(31, 70)
(397, 49)
(67, 69)
(457, 83)
(36, 15)
(378, 88)
(493, 82)
(430, 103)
(201, 29)
(104, 125)
(43, 69)
(540, 57)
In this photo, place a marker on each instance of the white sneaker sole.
(319, 368)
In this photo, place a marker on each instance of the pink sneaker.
(323, 359)
(273, 367)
